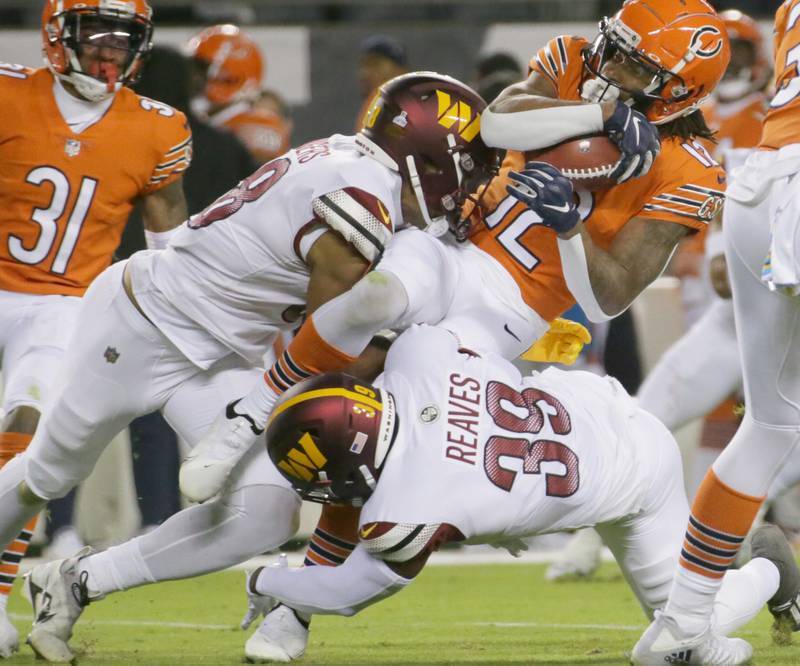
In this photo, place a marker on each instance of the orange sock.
(11, 444)
(335, 537)
(718, 524)
(307, 354)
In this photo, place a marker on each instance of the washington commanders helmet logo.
(450, 113)
(713, 43)
(303, 464)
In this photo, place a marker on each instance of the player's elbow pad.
(539, 128)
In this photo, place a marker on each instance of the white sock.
(115, 569)
(743, 594)
(691, 601)
(3, 602)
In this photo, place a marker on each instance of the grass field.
(481, 614)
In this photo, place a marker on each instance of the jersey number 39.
(529, 418)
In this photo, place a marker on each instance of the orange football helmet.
(749, 69)
(683, 46)
(111, 37)
(234, 63)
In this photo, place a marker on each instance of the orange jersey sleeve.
(685, 186)
(65, 197)
(264, 134)
(560, 61)
(782, 124)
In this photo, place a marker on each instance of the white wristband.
(158, 240)
(576, 274)
(540, 128)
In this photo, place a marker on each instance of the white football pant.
(697, 372)
(768, 327)
(34, 332)
(119, 366)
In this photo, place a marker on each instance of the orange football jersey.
(782, 124)
(65, 197)
(264, 134)
(685, 186)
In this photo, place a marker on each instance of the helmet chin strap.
(436, 227)
(386, 430)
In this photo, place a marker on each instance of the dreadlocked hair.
(690, 126)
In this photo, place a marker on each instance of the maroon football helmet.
(329, 436)
(426, 126)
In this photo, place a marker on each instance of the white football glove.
(206, 468)
(259, 605)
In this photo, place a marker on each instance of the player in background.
(493, 457)
(65, 197)
(230, 69)
(761, 235)
(380, 58)
(603, 250)
(699, 373)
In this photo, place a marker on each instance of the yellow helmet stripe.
(324, 393)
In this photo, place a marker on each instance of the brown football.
(586, 161)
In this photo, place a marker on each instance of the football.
(587, 160)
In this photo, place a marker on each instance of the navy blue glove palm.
(549, 194)
(637, 139)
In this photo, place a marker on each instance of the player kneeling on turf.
(450, 445)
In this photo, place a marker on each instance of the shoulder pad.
(360, 217)
(401, 542)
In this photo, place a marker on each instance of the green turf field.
(488, 614)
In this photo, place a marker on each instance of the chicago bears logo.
(708, 47)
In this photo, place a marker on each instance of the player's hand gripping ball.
(548, 193)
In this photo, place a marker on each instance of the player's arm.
(605, 283)
(164, 209)
(528, 116)
(362, 580)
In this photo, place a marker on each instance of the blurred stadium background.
(311, 48)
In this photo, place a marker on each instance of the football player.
(760, 225)
(183, 330)
(493, 457)
(558, 246)
(65, 197)
(230, 66)
(696, 375)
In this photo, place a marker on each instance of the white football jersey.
(486, 455)
(235, 274)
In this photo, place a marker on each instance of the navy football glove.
(549, 194)
(637, 139)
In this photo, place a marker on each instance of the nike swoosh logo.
(510, 332)
(365, 532)
(385, 215)
(563, 208)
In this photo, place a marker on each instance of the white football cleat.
(280, 637)
(206, 468)
(662, 644)
(58, 594)
(580, 557)
(9, 636)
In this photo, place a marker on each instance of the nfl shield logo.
(72, 147)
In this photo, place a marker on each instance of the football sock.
(719, 426)
(335, 537)
(11, 444)
(307, 354)
(718, 524)
(743, 594)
